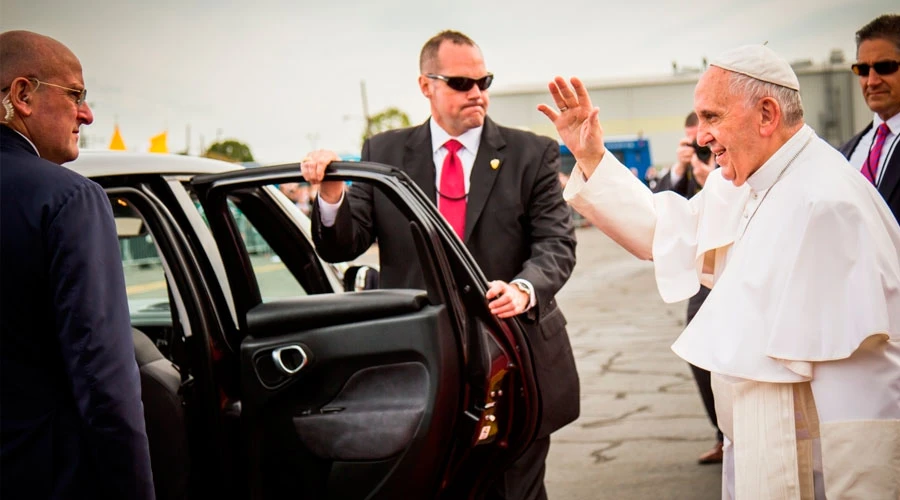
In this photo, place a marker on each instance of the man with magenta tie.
(499, 189)
(874, 150)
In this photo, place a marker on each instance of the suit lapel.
(483, 174)
(890, 182)
(418, 160)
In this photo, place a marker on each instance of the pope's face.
(881, 92)
(727, 126)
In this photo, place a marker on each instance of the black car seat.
(165, 419)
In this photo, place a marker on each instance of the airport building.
(654, 108)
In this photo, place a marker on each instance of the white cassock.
(802, 328)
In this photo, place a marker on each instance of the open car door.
(371, 394)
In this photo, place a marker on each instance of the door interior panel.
(373, 417)
(380, 385)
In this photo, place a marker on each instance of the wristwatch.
(523, 287)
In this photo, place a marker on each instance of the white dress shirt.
(470, 140)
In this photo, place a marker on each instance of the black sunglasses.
(883, 68)
(463, 84)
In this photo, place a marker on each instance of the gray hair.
(753, 90)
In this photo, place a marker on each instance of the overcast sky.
(284, 75)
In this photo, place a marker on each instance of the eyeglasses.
(883, 68)
(77, 95)
(463, 84)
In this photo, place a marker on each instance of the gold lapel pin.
(495, 164)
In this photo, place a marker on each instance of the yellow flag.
(158, 144)
(117, 144)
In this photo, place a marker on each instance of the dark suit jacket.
(687, 186)
(71, 420)
(517, 226)
(890, 182)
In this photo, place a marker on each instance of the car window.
(302, 213)
(274, 278)
(145, 278)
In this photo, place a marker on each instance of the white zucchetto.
(759, 62)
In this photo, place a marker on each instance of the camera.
(703, 152)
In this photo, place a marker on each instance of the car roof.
(102, 163)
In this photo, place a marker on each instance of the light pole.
(365, 109)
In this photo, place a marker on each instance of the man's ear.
(21, 92)
(425, 86)
(769, 116)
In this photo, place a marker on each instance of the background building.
(654, 108)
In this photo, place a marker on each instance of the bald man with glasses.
(71, 418)
(874, 150)
(499, 189)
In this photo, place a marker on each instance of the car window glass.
(358, 274)
(274, 278)
(145, 279)
(274, 271)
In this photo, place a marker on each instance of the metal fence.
(138, 252)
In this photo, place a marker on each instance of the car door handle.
(290, 359)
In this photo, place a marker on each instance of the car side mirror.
(359, 278)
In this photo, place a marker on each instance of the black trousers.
(701, 376)
(524, 479)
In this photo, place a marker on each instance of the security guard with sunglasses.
(499, 189)
(874, 150)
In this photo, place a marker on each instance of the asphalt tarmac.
(642, 423)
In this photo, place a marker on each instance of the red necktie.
(452, 193)
(870, 167)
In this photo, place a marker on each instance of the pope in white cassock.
(802, 328)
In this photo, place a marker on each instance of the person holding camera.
(687, 177)
(694, 163)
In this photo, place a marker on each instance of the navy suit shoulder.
(42, 181)
(72, 424)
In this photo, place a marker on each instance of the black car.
(263, 378)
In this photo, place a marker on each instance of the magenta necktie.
(452, 193)
(870, 167)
